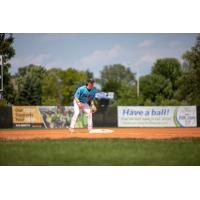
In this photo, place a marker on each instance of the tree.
(29, 85)
(127, 95)
(7, 51)
(71, 79)
(58, 86)
(89, 74)
(51, 87)
(155, 88)
(189, 83)
(112, 76)
(170, 68)
(38, 86)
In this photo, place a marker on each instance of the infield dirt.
(132, 133)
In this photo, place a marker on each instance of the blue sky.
(94, 51)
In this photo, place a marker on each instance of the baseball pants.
(87, 110)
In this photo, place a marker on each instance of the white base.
(101, 131)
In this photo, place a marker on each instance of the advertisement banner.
(26, 116)
(46, 116)
(157, 116)
(60, 117)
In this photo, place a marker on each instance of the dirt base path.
(143, 133)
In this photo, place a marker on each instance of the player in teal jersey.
(83, 98)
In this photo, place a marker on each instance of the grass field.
(109, 152)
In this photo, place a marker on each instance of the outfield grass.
(107, 152)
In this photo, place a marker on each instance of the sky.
(93, 51)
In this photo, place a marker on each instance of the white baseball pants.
(87, 110)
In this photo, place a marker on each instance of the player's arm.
(77, 100)
(94, 109)
(77, 96)
(92, 103)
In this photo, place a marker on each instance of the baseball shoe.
(90, 130)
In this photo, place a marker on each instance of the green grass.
(107, 152)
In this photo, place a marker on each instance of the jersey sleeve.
(78, 93)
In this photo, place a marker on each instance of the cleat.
(90, 130)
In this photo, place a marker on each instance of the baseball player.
(83, 98)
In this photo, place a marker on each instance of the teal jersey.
(84, 95)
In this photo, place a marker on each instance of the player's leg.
(88, 112)
(75, 116)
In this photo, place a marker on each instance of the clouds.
(145, 60)
(100, 57)
(40, 59)
(94, 51)
(142, 64)
(146, 43)
(174, 44)
(49, 37)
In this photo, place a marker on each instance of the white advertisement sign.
(104, 95)
(157, 116)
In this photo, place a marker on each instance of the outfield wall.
(6, 117)
(133, 116)
(198, 116)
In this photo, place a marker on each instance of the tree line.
(169, 83)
